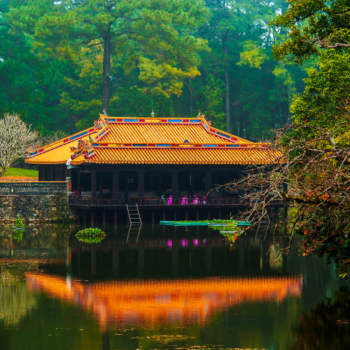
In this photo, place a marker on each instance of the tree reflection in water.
(326, 325)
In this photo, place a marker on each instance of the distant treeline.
(62, 63)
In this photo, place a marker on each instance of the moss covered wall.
(35, 201)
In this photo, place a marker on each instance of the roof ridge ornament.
(100, 124)
(33, 148)
(152, 114)
(83, 148)
(104, 112)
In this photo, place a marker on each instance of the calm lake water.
(164, 288)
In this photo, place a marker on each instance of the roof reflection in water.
(150, 302)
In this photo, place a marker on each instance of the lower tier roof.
(179, 156)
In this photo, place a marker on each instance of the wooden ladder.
(134, 214)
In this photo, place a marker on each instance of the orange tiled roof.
(152, 141)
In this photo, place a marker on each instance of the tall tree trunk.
(190, 97)
(285, 112)
(242, 125)
(106, 71)
(227, 83)
(3, 170)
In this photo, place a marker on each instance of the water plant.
(91, 235)
(19, 222)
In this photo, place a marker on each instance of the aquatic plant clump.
(19, 222)
(91, 235)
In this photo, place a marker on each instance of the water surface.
(164, 288)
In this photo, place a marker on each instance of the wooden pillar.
(164, 215)
(208, 214)
(159, 184)
(191, 193)
(175, 215)
(115, 184)
(126, 192)
(79, 183)
(115, 218)
(85, 218)
(93, 183)
(141, 214)
(152, 216)
(197, 214)
(219, 213)
(175, 185)
(208, 181)
(141, 183)
(79, 214)
(186, 214)
(101, 187)
(92, 219)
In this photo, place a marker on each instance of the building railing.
(189, 201)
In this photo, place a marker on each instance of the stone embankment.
(35, 201)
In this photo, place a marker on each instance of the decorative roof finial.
(199, 114)
(104, 112)
(152, 114)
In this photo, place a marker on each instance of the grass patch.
(21, 172)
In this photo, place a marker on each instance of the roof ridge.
(186, 121)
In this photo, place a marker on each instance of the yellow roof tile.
(161, 133)
(179, 156)
(126, 140)
(58, 152)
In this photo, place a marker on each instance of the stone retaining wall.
(34, 201)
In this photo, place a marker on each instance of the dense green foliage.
(175, 57)
(319, 142)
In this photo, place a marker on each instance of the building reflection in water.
(169, 256)
(151, 301)
(150, 280)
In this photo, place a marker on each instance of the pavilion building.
(123, 160)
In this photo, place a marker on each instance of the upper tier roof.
(151, 141)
